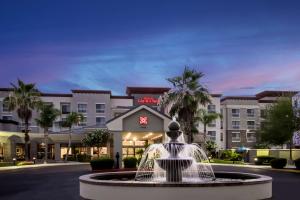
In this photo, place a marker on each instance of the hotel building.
(133, 119)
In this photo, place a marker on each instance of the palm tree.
(47, 116)
(185, 97)
(72, 119)
(206, 118)
(24, 98)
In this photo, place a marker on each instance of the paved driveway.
(61, 183)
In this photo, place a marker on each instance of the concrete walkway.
(41, 165)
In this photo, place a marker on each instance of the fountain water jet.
(174, 161)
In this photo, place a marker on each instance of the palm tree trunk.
(27, 156)
(204, 136)
(46, 145)
(69, 144)
(291, 151)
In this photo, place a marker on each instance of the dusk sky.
(243, 47)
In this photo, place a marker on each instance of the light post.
(34, 159)
(14, 161)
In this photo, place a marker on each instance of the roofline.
(121, 97)
(146, 90)
(238, 98)
(92, 91)
(124, 113)
(275, 93)
(56, 95)
(216, 95)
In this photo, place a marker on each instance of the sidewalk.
(41, 165)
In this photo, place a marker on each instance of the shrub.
(263, 160)
(297, 163)
(130, 162)
(102, 163)
(278, 163)
(83, 158)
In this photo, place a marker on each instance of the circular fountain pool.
(227, 185)
(177, 171)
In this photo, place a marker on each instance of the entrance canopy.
(140, 119)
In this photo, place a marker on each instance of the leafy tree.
(210, 146)
(72, 119)
(46, 118)
(24, 98)
(206, 118)
(184, 98)
(97, 138)
(281, 122)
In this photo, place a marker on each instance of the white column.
(57, 151)
(117, 137)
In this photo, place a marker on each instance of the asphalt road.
(61, 183)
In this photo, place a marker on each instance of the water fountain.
(175, 170)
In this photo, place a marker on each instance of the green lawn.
(5, 164)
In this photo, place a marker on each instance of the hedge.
(102, 163)
(297, 163)
(278, 163)
(263, 160)
(130, 162)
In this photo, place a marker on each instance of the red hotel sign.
(148, 100)
(143, 120)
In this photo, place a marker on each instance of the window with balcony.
(250, 124)
(211, 108)
(100, 121)
(235, 124)
(100, 108)
(235, 112)
(251, 137)
(82, 108)
(211, 135)
(212, 124)
(7, 117)
(263, 114)
(5, 107)
(250, 112)
(83, 122)
(235, 136)
(65, 108)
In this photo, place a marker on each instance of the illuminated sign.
(148, 100)
(143, 120)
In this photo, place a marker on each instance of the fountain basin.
(227, 186)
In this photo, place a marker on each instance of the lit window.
(235, 112)
(100, 108)
(236, 137)
(100, 121)
(82, 108)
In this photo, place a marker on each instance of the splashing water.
(174, 161)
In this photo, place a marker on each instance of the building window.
(211, 108)
(263, 113)
(235, 124)
(251, 137)
(100, 108)
(5, 107)
(83, 122)
(212, 124)
(211, 135)
(65, 108)
(235, 112)
(82, 108)
(100, 121)
(236, 136)
(250, 124)
(250, 112)
(221, 138)
(7, 117)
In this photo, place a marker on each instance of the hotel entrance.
(134, 143)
